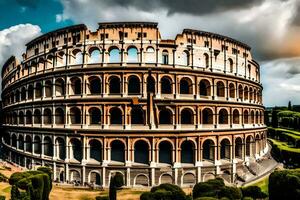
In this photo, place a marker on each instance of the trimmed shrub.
(165, 191)
(2, 197)
(209, 188)
(116, 182)
(147, 196)
(230, 192)
(253, 192)
(102, 198)
(247, 198)
(206, 198)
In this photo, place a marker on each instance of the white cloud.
(281, 80)
(13, 40)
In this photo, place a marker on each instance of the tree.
(290, 106)
(274, 118)
(116, 182)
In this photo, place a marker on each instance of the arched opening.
(165, 152)
(59, 116)
(165, 57)
(75, 115)
(75, 177)
(252, 117)
(251, 93)
(208, 150)
(223, 116)
(150, 55)
(257, 117)
(186, 86)
(187, 152)
(115, 115)
(186, 58)
(95, 56)
(166, 178)
(134, 85)
(114, 55)
(28, 144)
(206, 59)
(15, 118)
(220, 89)
(246, 117)
(37, 116)
(166, 85)
(28, 117)
(59, 87)
(150, 84)
(37, 145)
(95, 115)
(38, 90)
(230, 63)
(187, 116)
(165, 116)
(231, 90)
(21, 142)
(246, 93)
(204, 88)
(76, 149)
(61, 148)
(94, 85)
(48, 146)
(132, 55)
(23, 94)
(189, 179)
(114, 85)
(30, 92)
(249, 142)
(95, 150)
(137, 115)
(241, 91)
(225, 149)
(78, 58)
(142, 180)
(48, 88)
(117, 151)
(95, 178)
(47, 116)
(21, 117)
(257, 144)
(141, 152)
(207, 116)
(14, 141)
(76, 86)
(238, 147)
(236, 117)
(17, 96)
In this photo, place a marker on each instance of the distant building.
(123, 99)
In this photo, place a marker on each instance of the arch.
(230, 62)
(220, 89)
(95, 85)
(75, 176)
(225, 149)
(76, 86)
(166, 85)
(187, 152)
(61, 59)
(15, 118)
(186, 58)
(95, 150)
(188, 179)
(61, 148)
(59, 87)
(165, 116)
(95, 115)
(207, 116)
(28, 117)
(166, 178)
(206, 59)
(47, 116)
(28, 144)
(137, 115)
(37, 146)
(150, 85)
(186, 86)
(257, 117)
(117, 151)
(187, 116)
(208, 150)
(78, 57)
(257, 144)
(76, 149)
(238, 148)
(37, 116)
(246, 93)
(38, 90)
(141, 152)
(21, 117)
(249, 144)
(116, 115)
(223, 116)
(132, 54)
(165, 57)
(48, 88)
(48, 146)
(134, 85)
(165, 152)
(114, 55)
(246, 117)
(231, 90)
(23, 93)
(114, 85)
(251, 94)
(21, 142)
(75, 115)
(59, 116)
(14, 141)
(236, 117)
(252, 117)
(150, 55)
(205, 88)
(141, 179)
(241, 92)
(17, 96)
(95, 55)
(95, 178)
(30, 92)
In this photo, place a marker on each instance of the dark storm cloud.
(296, 20)
(195, 7)
(28, 3)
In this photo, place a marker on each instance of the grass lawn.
(262, 183)
(284, 146)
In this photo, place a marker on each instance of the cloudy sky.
(270, 27)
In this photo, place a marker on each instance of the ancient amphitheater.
(89, 104)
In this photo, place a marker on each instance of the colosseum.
(122, 99)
